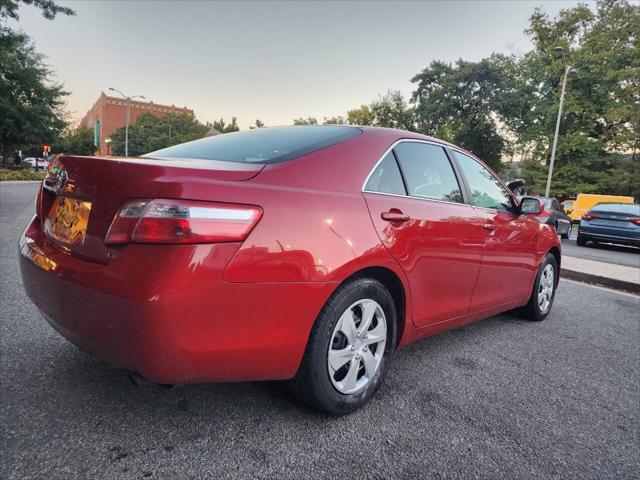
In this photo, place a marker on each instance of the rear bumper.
(165, 311)
(614, 235)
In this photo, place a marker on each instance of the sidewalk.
(606, 274)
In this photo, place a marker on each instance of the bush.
(20, 174)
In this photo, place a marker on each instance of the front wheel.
(348, 349)
(544, 290)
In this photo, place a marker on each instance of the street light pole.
(567, 69)
(127, 117)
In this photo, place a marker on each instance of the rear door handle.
(490, 226)
(395, 216)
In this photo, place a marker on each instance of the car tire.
(568, 234)
(581, 241)
(543, 292)
(339, 391)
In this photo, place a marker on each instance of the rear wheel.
(544, 290)
(581, 241)
(348, 349)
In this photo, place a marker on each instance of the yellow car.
(586, 201)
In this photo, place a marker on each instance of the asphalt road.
(501, 398)
(603, 252)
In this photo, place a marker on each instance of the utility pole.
(567, 69)
(127, 117)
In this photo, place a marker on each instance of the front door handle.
(395, 216)
(489, 226)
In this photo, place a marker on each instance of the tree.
(77, 142)
(458, 102)
(31, 108)
(223, 127)
(360, 116)
(601, 115)
(305, 121)
(391, 110)
(258, 124)
(9, 8)
(151, 133)
(337, 120)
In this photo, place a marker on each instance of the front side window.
(386, 177)
(428, 172)
(486, 189)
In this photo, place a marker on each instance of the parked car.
(305, 253)
(37, 162)
(612, 223)
(586, 201)
(567, 205)
(553, 214)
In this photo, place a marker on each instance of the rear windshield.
(261, 145)
(629, 208)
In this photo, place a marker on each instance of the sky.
(273, 61)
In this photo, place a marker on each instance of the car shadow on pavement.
(99, 390)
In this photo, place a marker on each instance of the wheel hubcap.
(545, 288)
(357, 346)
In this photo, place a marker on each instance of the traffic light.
(46, 150)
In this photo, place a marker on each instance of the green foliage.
(360, 116)
(458, 103)
(77, 142)
(30, 105)
(305, 121)
(258, 124)
(337, 120)
(223, 127)
(153, 133)
(9, 8)
(391, 110)
(20, 174)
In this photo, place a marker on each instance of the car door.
(510, 239)
(419, 211)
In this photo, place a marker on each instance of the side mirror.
(513, 185)
(530, 205)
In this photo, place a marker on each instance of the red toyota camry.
(305, 253)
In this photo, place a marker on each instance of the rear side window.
(386, 178)
(428, 172)
(486, 189)
(260, 145)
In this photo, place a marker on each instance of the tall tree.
(456, 102)
(601, 114)
(30, 107)
(391, 110)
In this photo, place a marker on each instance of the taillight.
(589, 216)
(635, 221)
(182, 221)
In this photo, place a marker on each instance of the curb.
(613, 283)
(18, 182)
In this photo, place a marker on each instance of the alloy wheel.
(357, 346)
(545, 288)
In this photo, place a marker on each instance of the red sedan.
(305, 253)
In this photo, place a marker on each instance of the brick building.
(109, 114)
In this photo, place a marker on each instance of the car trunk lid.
(81, 195)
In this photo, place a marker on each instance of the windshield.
(261, 145)
(628, 208)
